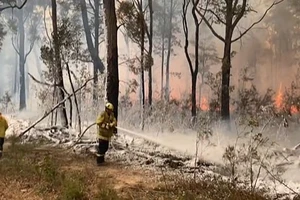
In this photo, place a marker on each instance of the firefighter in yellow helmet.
(3, 128)
(106, 123)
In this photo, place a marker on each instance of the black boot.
(100, 159)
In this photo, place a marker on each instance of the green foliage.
(105, 193)
(250, 102)
(2, 34)
(73, 188)
(247, 161)
(129, 15)
(70, 43)
(284, 33)
(162, 25)
(5, 101)
(214, 82)
(218, 10)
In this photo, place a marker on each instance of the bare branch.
(120, 26)
(258, 21)
(46, 84)
(54, 108)
(214, 14)
(209, 25)
(14, 46)
(13, 6)
(46, 30)
(29, 51)
(185, 30)
(241, 13)
(92, 6)
(41, 82)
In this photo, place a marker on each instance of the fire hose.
(127, 132)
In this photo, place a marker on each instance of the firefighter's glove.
(107, 126)
(112, 125)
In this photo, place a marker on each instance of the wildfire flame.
(279, 104)
(204, 104)
(279, 98)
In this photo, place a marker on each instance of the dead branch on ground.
(54, 108)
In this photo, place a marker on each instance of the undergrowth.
(57, 174)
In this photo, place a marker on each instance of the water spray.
(127, 132)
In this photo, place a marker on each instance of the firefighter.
(3, 128)
(106, 123)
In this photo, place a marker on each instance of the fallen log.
(54, 108)
(81, 135)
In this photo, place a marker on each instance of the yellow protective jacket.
(3, 126)
(106, 125)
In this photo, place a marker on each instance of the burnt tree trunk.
(59, 71)
(22, 59)
(194, 67)
(112, 89)
(150, 53)
(142, 49)
(167, 93)
(16, 73)
(226, 65)
(163, 52)
(194, 88)
(194, 73)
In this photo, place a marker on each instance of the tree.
(112, 89)
(59, 81)
(166, 30)
(4, 5)
(150, 59)
(208, 56)
(228, 13)
(93, 45)
(194, 67)
(284, 33)
(132, 16)
(24, 25)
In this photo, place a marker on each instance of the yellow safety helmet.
(109, 106)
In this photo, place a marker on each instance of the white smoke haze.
(172, 130)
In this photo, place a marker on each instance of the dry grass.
(31, 172)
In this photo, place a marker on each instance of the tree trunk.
(98, 65)
(142, 84)
(167, 94)
(194, 73)
(163, 53)
(27, 81)
(59, 72)
(194, 87)
(97, 26)
(16, 81)
(112, 89)
(22, 59)
(226, 65)
(150, 53)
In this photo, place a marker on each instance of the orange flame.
(279, 98)
(279, 104)
(204, 104)
(294, 109)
